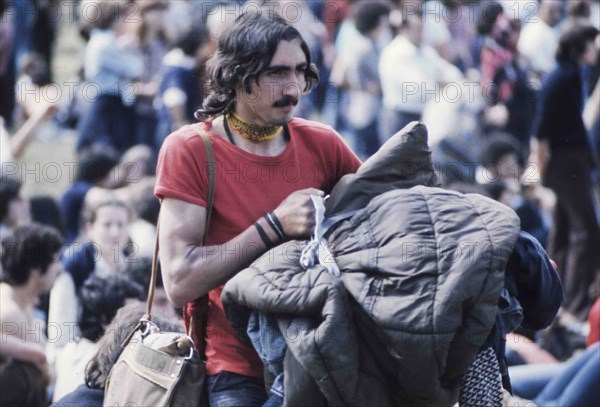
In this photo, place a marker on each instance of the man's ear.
(35, 273)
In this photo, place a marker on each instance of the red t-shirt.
(247, 187)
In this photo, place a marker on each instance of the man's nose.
(115, 231)
(292, 88)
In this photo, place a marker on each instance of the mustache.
(286, 101)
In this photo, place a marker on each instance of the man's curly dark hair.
(30, 247)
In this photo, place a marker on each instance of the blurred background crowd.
(89, 90)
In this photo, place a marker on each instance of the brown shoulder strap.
(211, 168)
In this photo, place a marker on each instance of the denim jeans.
(269, 343)
(578, 385)
(529, 380)
(573, 383)
(227, 389)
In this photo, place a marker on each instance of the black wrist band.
(263, 235)
(269, 218)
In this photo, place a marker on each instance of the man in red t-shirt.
(268, 165)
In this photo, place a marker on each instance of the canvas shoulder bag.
(163, 368)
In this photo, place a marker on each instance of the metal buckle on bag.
(191, 355)
(149, 326)
(192, 348)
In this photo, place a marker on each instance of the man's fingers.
(311, 191)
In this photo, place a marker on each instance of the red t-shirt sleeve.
(344, 160)
(181, 168)
(348, 162)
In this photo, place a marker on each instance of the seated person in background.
(106, 223)
(12, 146)
(502, 175)
(91, 394)
(100, 299)
(34, 86)
(570, 383)
(30, 261)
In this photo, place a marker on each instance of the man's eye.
(276, 74)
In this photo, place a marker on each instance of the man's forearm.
(199, 269)
(23, 350)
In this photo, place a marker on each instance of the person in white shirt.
(436, 32)
(30, 267)
(106, 219)
(411, 74)
(539, 38)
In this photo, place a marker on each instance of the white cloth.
(318, 250)
(143, 235)
(5, 153)
(70, 366)
(538, 44)
(64, 308)
(62, 314)
(411, 76)
(595, 14)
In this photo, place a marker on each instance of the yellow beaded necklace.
(251, 131)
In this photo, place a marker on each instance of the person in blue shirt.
(110, 69)
(180, 93)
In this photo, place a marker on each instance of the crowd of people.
(509, 93)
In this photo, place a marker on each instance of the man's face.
(19, 211)
(49, 277)
(554, 11)
(272, 102)
(109, 231)
(414, 28)
(508, 167)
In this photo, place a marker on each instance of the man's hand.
(540, 155)
(297, 213)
